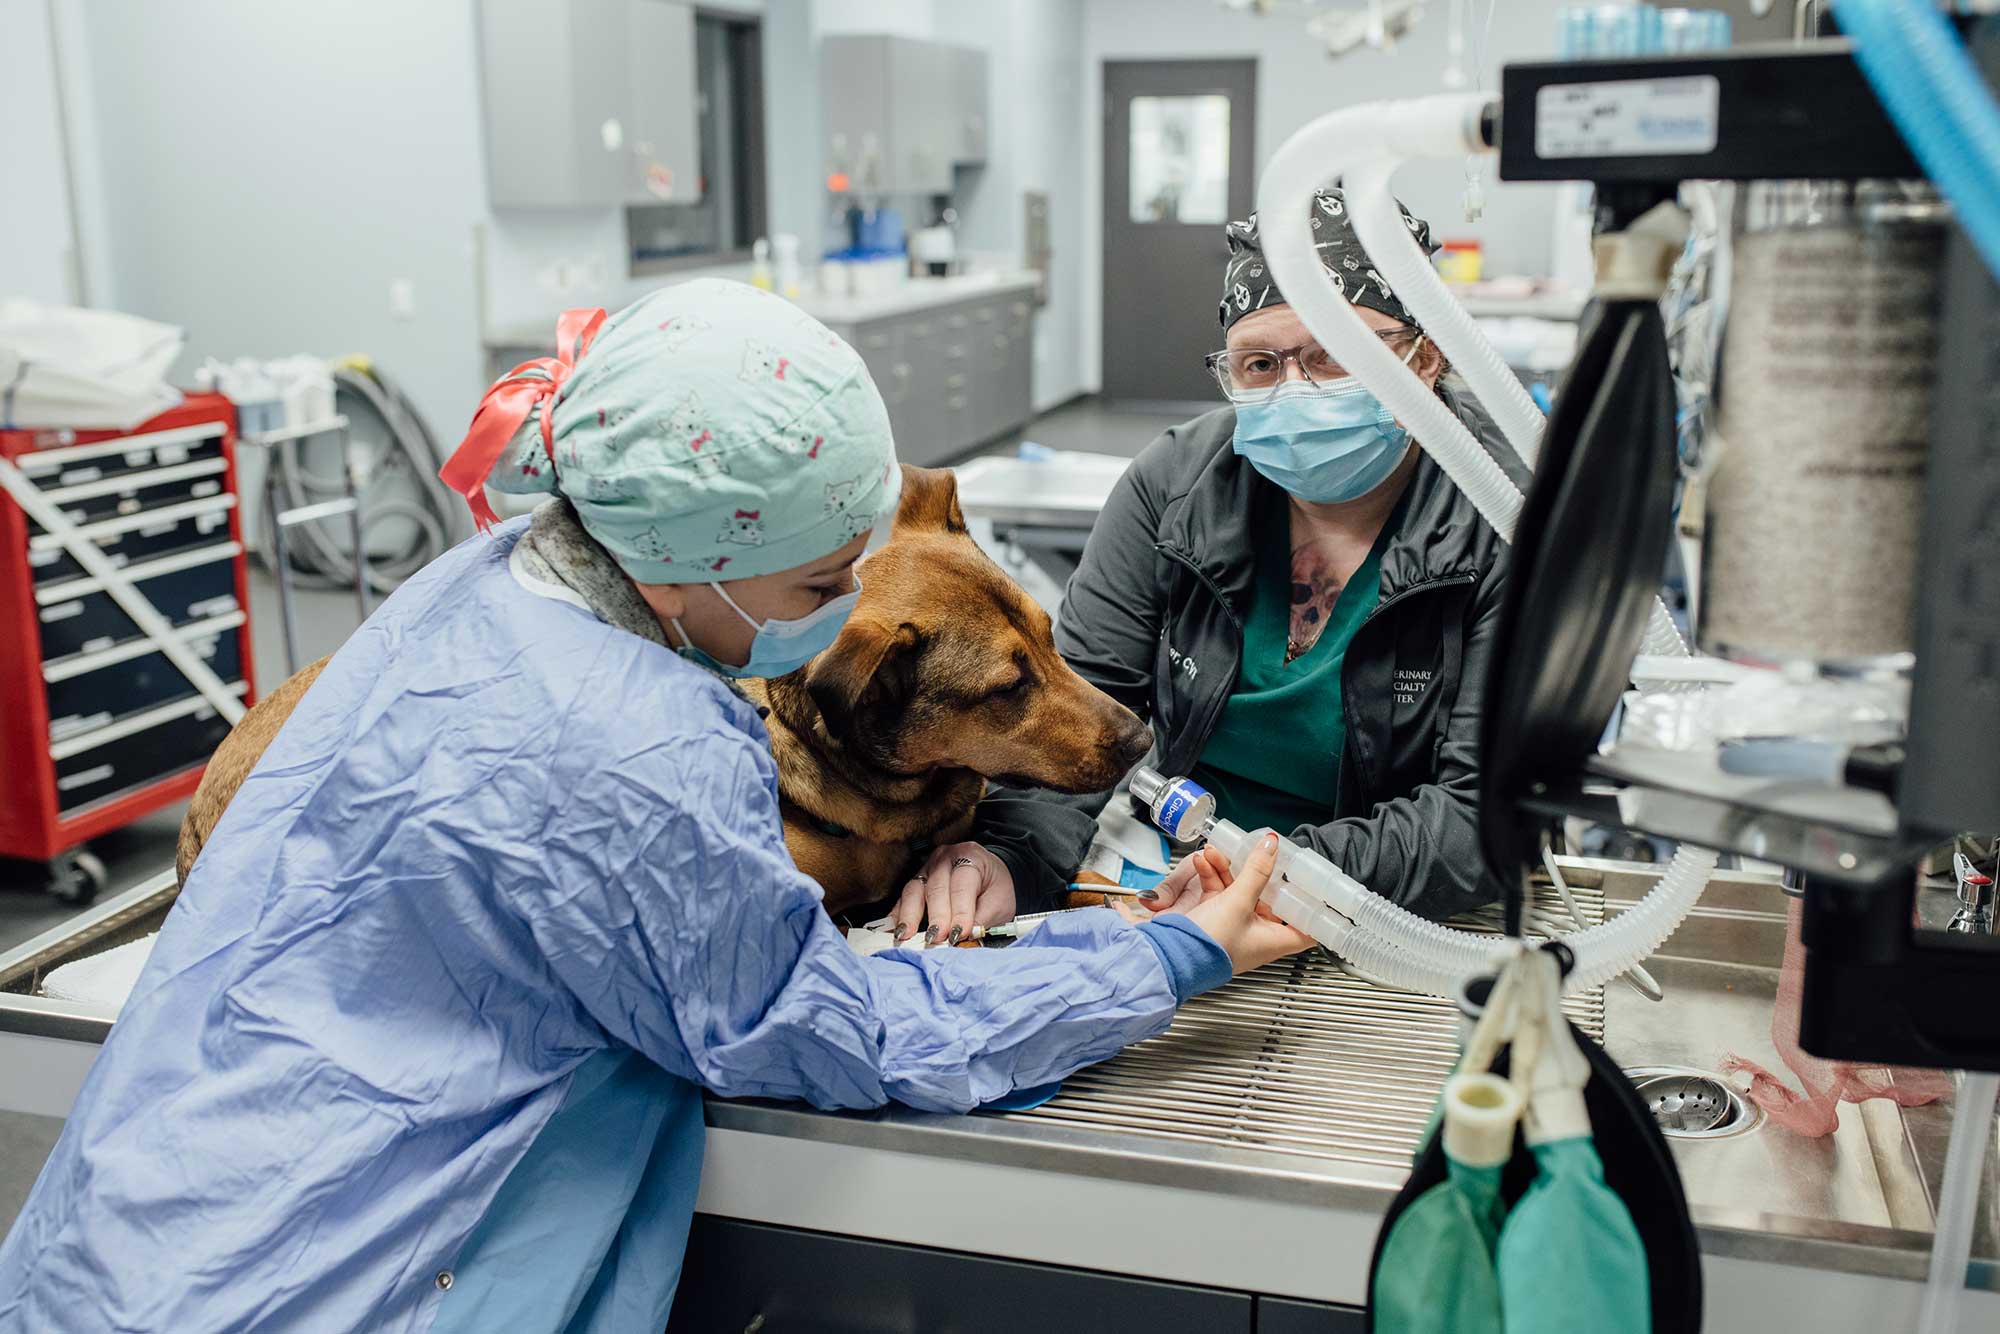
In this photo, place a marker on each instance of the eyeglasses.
(1252, 374)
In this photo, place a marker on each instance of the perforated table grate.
(1298, 1057)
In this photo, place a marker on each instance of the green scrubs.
(1275, 756)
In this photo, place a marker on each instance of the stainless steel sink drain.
(1692, 1104)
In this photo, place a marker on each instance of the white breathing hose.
(1365, 142)
(1415, 281)
(1964, 1162)
(1444, 126)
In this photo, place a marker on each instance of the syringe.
(1306, 889)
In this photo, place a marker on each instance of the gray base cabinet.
(953, 377)
(740, 1277)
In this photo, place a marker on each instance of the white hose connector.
(1481, 1112)
(1378, 222)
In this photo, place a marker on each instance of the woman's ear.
(1429, 362)
(668, 601)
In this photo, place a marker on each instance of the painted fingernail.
(1149, 895)
(1271, 842)
(902, 933)
(930, 936)
(957, 934)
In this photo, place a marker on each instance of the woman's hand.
(1229, 910)
(960, 886)
(1181, 889)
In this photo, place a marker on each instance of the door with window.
(1178, 137)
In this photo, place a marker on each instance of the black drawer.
(776, 1280)
(141, 491)
(118, 690)
(141, 758)
(92, 621)
(141, 543)
(115, 458)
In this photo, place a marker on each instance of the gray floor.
(325, 619)
(1091, 425)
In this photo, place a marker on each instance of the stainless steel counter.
(1300, 1085)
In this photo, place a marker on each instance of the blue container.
(879, 230)
(1597, 31)
(1627, 30)
(1683, 30)
(1573, 29)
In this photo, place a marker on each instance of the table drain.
(1692, 1104)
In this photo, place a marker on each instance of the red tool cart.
(124, 627)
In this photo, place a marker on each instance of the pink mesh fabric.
(1815, 1112)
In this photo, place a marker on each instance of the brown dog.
(234, 759)
(946, 675)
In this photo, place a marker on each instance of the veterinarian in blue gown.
(420, 1045)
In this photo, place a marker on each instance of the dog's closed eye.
(1018, 686)
(1013, 691)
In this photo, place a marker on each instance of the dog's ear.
(871, 661)
(930, 501)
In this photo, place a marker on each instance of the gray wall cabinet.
(900, 113)
(588, 103)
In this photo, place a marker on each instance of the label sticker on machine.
(1628, 118)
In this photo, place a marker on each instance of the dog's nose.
(1135, 745)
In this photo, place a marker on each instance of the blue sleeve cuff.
(1194, 963)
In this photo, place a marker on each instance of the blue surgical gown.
(421, 1037)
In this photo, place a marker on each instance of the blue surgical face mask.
(781, 647)
(1321, 444)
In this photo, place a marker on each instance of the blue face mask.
(1323, 445)
(781, 647)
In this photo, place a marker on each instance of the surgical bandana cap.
(1247, 284)
(710, 431)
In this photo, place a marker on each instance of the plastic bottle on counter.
(786, 247)
(760, 264)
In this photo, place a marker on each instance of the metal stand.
(273, 443)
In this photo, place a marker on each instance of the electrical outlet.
(402, 298)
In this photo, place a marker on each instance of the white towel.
(103, 979)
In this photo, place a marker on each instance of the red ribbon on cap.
(507, 404)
